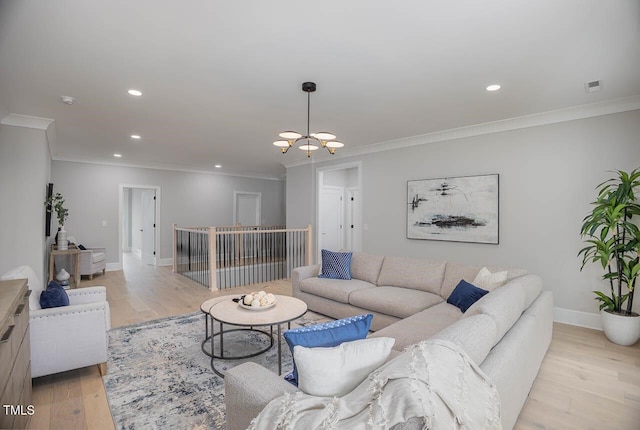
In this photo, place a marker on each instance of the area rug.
(159, 378)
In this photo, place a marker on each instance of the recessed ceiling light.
(136, 136)
(135, 93)
(117, 155)
(217, 166)
(493, 87)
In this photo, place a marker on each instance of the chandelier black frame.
(324, 139)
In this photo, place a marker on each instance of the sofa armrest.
(47, 316)
(299, 274)
(68, 337)
(248, 388)
(79, 296)
(95, 249)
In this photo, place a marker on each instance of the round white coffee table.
(229, 312)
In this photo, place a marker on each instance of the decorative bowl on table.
(257, 301)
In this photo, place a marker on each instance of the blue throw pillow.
(81, 247)
(328, 334)
(54, 296)
(336, 265)
(465, 294)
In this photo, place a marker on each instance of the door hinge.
(154, 197)
(154, 253)
(351, 225)
(154, 225)
(352, 198)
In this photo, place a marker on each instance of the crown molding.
(27, 121)
(509, 124)
(155, 166)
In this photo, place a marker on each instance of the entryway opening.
(139, 220)
(339, 208)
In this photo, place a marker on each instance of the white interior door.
(148, 227)
(353, 228)
(330, 224)
(247, 208)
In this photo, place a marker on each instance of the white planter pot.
(619, 329)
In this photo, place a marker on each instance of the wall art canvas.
(461, 209)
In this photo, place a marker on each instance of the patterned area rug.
(159, 378)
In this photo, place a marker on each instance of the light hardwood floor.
(585, 381)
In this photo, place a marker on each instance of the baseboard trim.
(165, 261)
(112, 267)
(578, 318)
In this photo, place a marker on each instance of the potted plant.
(613, 236)
(56, 203)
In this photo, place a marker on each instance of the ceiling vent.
(592, 87)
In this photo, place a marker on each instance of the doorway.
(339, 208)
(139, 220)
(246, 208)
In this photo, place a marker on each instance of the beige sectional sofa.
(507, 332)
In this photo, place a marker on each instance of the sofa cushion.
(456, 271)
(338, 370)
(34, 283)
(412, 273)
(335, 265)
(366, 266)
(488, 280)
(327, 334)
(337, 290)
(507, 303)
(465, 294)
(97, 257)
(420, 326)
(394, 301)
(476, 335)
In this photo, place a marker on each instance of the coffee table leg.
(221, 341)
(279, 351)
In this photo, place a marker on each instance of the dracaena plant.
(613, 236)
(56, 203)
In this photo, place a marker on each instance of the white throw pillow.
(489, 281)
(338, 370)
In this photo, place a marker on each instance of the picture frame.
(47, 220)
(457, 209)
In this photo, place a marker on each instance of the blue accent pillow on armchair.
(328, 334)
(54, 296)
(336, 265)
(465, 294)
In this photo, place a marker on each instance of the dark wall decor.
(460, 209)
(47, 220)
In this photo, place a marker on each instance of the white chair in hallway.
(92, 260)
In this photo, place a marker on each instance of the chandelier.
(311, 141)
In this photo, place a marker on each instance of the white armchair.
(92, 260)
(68, 337)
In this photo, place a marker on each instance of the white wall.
(136, 220)
(547, 179)
(191, 199)
(25, 165)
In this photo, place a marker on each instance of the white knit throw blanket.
(433, 380)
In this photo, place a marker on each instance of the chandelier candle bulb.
(324, 138)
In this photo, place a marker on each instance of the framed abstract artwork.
(460, 209)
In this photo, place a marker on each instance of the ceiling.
(220, 79)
